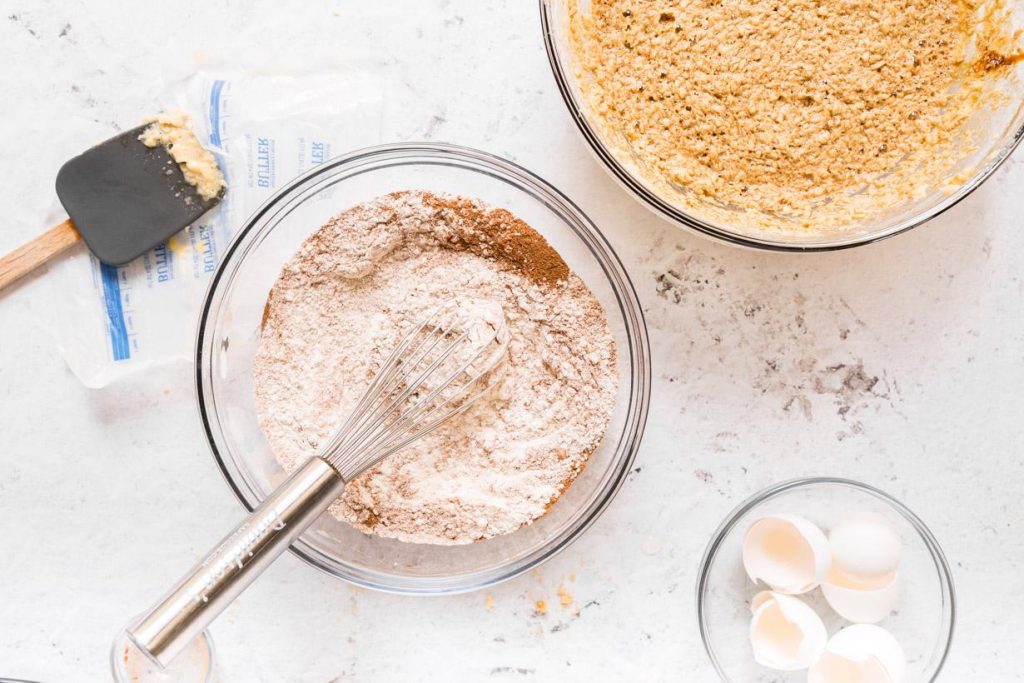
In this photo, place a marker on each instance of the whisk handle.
(236, 561)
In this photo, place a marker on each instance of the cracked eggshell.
(865, 547)
(785, 633)
(787, 552)
(859, 602)
(861, 653)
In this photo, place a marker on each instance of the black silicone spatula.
(122, 197)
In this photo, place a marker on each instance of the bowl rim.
(667, 210)
(732, 519)
(636, 334)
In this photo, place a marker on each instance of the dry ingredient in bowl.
(780, 105)
(342, 301)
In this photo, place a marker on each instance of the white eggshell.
(785, 633)
(861, 653)
(865, 546)
(787, 552)
(861, 604)
(832, 668)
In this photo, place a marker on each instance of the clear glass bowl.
(998, 132)
(195, 664)
(229, 330)
(924, 618)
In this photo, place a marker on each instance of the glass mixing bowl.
(997, 133)
(924, 616)
(229, 331)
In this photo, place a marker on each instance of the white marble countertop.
(899, 364)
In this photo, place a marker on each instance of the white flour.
(343, 301)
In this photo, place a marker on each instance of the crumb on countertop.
(565, 597)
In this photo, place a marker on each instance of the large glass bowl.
(997, 133)
(229, 331)
(925, 614)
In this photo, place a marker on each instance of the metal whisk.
(437, 371)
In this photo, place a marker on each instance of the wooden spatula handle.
(35, 253)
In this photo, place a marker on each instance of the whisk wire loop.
(378, 416)
(437, 371)
(411, 345)
(424, 403)
(368, 414)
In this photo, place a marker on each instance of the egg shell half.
(862, 605)
(785, 633)
(861, 653)
(865, 546)
(787, 552)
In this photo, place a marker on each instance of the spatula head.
(125, 198)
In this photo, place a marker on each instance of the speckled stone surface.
(899, 364)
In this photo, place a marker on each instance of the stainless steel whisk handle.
(237, 560)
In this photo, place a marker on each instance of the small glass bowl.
(229, 332)
(997, 131)
(922, 622)
(195, 664)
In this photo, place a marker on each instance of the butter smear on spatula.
(173, 130)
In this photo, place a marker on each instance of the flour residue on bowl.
(801, 115)
(343, 301)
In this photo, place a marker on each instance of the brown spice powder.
(503, 236)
